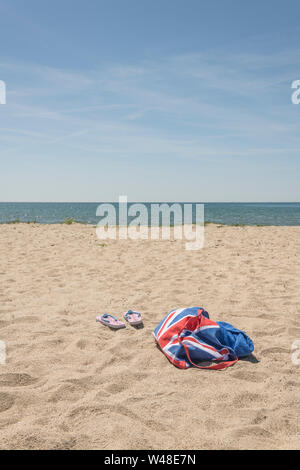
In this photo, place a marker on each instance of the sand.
(71, 383)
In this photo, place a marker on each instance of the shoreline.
(76, 222)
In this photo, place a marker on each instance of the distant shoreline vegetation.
(70, 221)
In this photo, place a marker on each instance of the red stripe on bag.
(220, 365)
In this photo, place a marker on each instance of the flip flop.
(134, 318)
(111, 321)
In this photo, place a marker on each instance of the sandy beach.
(71, 383)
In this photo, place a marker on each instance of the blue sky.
(159, 100)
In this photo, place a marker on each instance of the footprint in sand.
(26, 319)
(246, 399)
(294, 332)
(260, 417)
(6, 401)
(249, 376)
(275, 350)
(82, 344)
(67, 393)
(115, 388)
(264, 333)
(248, 431)
(16, 380)
(81, 414)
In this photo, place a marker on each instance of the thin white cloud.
(188, 106)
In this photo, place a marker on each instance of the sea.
(271, 213)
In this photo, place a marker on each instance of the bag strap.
(220, 365)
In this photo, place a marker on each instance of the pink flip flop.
(111, 321)
(134, 318)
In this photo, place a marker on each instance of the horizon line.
(150, 202)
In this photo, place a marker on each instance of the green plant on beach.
(209, 222)
(16, 221)
(69, 221)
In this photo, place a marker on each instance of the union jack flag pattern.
(188, 338)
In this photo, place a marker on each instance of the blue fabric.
(229, 336)
(206, 340)
(235, 339)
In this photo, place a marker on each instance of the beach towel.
(188, 337)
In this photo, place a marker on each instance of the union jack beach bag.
(188, 337)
